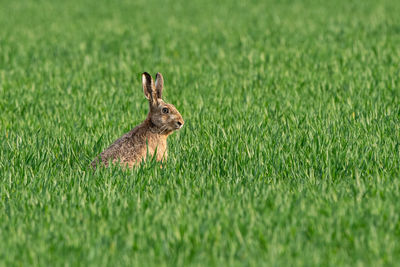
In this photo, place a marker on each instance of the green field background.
(290, 153)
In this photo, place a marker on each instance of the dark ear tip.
(146, 78)
(146, 74)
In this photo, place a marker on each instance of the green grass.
(290, 154)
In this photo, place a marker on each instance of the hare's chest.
(158, 146)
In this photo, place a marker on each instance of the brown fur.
(148, 137)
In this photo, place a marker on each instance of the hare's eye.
(165, 110)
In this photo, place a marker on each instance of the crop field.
(289, 156)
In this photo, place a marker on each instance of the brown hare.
(148, 137)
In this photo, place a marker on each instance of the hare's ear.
(159, 84)
(149, 88)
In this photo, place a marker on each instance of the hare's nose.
(179, 123)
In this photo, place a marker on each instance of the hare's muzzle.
(179, 124)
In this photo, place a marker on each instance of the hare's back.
(128, 149)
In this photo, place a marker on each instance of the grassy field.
(290, 154)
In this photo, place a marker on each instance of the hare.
(150, 136)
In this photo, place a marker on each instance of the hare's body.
(134, 146)
(148, 137)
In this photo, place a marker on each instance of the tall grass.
(289, 154)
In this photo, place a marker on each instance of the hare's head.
(163, 115)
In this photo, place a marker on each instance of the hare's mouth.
(178, 125)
